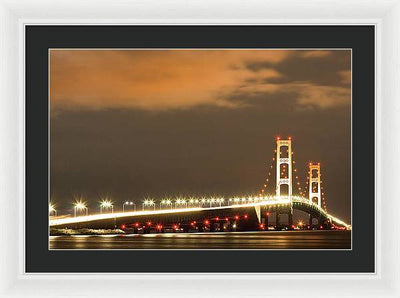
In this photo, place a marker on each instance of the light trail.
(260, 201)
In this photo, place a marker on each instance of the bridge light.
(206, 222)
(106, 204)
(217, 218)
(236, 217)
(226, 218)
(52, 208)
(149, 223)
(80, 205)
(245, 216)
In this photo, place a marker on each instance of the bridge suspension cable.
(324, 204)
(269, 176)
(296, 175)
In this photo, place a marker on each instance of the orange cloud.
(345, 76)
(152, 79)
(321, 96)
(315, 53)
(178, 79)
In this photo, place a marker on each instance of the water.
(217, 240)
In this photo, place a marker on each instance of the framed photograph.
(160, 148)
(200, 153)
(186, 137)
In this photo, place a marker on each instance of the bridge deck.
(59, 222)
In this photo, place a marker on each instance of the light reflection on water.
(217, 240)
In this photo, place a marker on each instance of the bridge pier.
(278, 219)
(221, 225)
(212, 226)
(290, 219)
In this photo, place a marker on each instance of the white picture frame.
(15, 15)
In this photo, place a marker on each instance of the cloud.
(158, 80)
(345, 76)
(315, 54)
(304, 94)
(321, 96)
(151, 79)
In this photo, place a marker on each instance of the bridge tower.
(315, 182)
(287, 180)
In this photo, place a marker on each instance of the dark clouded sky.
(142, 123)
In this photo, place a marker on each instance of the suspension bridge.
(228, 214)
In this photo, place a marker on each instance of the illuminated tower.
(315, 182)
(281, 162)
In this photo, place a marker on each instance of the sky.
(131, 124)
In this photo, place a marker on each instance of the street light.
(212, 202)
(52, 209)
(128, 203)
(166, 202)
(180, 202)
(106, 204)
(149, 203)
(79, 205)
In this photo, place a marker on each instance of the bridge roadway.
(247, 216)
